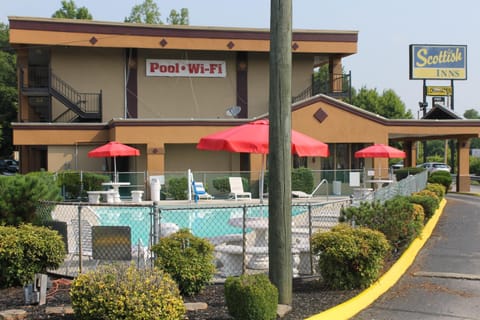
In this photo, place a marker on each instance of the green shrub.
(437, 188)
(21, 193)
(405, 172)
(26, 250)
(396, 218)
(125, 292)
(187, 258)
(302, 180)
(441, 177)
(350, 257)
(368, 214)
(474, 165)
(177, 188)
(221, 184)
(251, 297)
(401, 222)
(74, 185)
(428, 203)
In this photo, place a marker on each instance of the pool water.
(202, 222)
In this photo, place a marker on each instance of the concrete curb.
(356, 304)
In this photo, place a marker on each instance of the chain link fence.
(101, 233)
(104, 233)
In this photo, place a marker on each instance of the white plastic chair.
(236, 188)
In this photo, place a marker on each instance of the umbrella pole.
(262, 175)
(115, 178)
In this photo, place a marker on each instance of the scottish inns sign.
(186, 68)
(438, 62)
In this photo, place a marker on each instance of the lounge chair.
(302, 194)
(236, 189)
(199, 191)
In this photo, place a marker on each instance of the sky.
(385, 31)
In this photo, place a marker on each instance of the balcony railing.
(338, 87)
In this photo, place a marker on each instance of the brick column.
(463, 174)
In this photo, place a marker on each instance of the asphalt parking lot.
(444, 281)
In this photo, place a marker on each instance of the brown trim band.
(169, 31)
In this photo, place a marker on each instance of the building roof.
(440, 112)
(91, 33)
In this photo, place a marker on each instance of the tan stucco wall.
(182, 157)
(72, 158)
(185, 97)
(89, 70)
(302, 71)
(258, 74)
(76, 158)
(339, 126)
(258, 80)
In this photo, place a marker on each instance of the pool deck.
(230, 202)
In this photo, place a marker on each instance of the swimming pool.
(202, 222)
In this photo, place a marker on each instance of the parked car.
(435, 166)
(8, 166)
(397, 165)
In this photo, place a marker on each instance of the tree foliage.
(388, 104)
(148, 12)
(179, 18)
(473, 114)
(69, 10)
(8, 92)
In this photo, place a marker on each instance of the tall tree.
(179, 18)
(473, 114)
(388, 104)
(146, 12)
(8, 92)
(69, 10)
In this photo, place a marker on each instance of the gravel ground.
(309, 297)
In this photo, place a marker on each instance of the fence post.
(80, 251)
(310, 229)
(244, 239)
(155, 225)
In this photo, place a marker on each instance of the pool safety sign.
(186, 68)
(441, 62)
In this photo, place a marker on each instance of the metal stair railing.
(67, 116)
(84, 104)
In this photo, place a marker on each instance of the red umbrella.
(252, 137)
(379, 151)
(113, 149)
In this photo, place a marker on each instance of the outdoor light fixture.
(423, 105)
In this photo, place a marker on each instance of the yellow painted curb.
(356, 304)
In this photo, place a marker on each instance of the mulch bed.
(309, 297)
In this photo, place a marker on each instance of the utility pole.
(280, 156)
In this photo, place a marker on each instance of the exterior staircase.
(43, 84)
